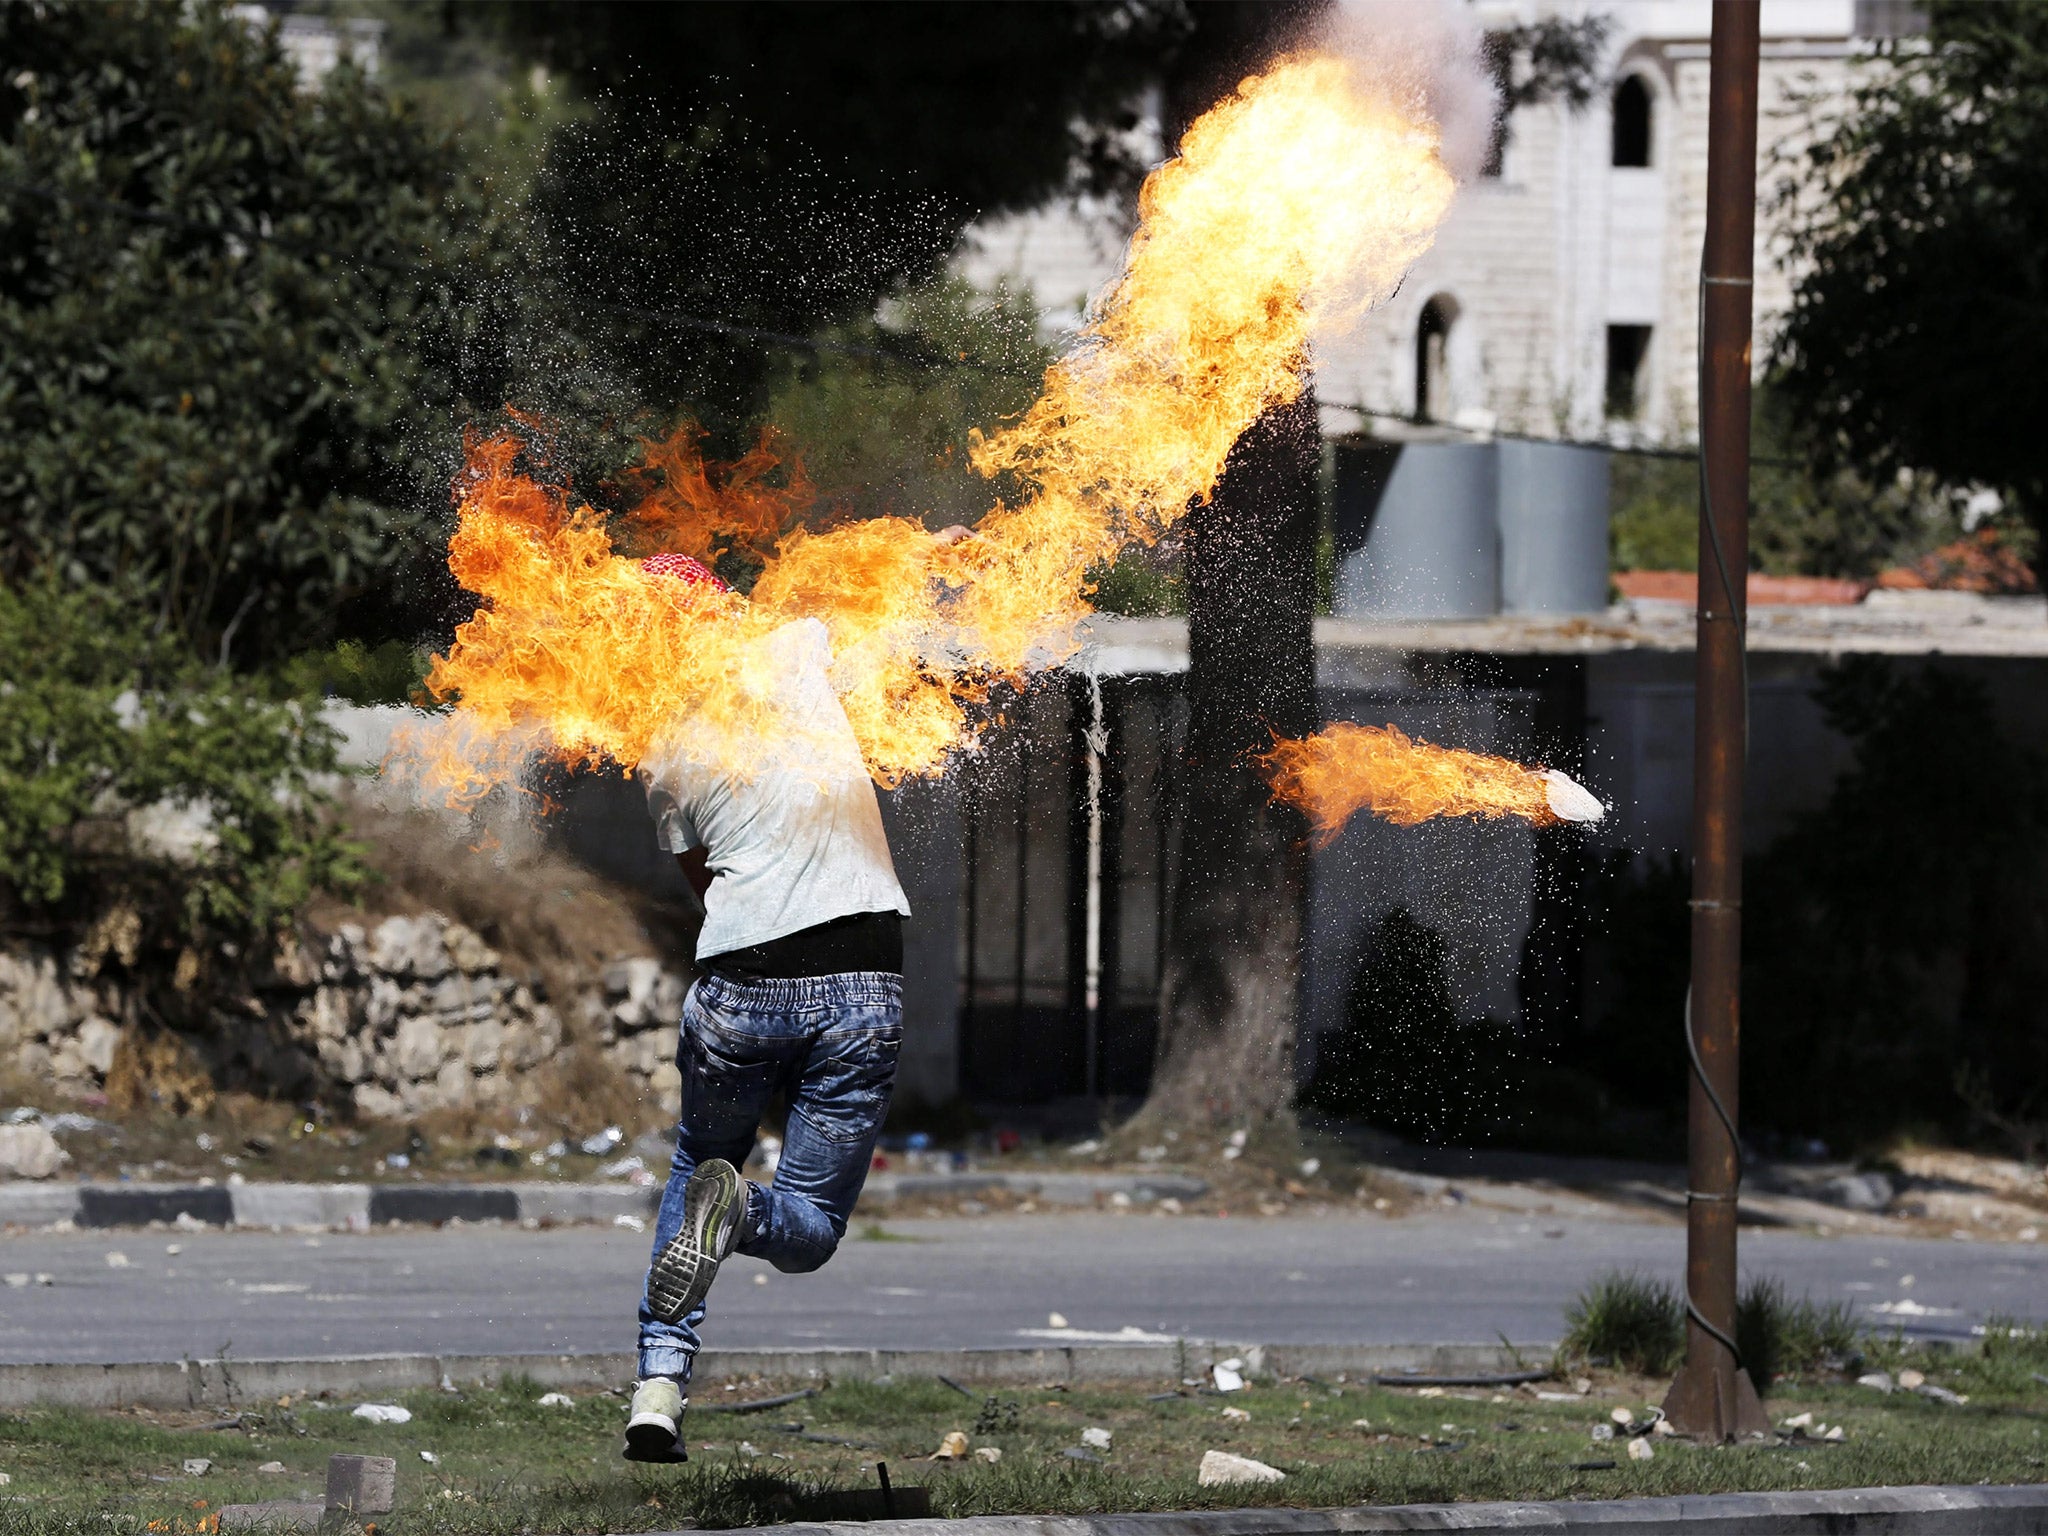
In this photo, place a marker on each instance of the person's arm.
(696, 868)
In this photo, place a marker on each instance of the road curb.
(358, 1207)
(228, 1382)
(1926, 1511)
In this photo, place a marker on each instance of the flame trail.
(1345, 768)
(1300, 201)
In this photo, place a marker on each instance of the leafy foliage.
(239, 321)
(1805, 519)
(885, 413)
(1894, 936)
(1405, 1060)
(132, 778)
(1921, 303)
(743, 170)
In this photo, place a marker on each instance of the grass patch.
(1637, 1322)
(505, 1465)
(1629, 1320)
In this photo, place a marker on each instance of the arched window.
(1632, 122)
(1432, 371)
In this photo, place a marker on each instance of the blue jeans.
(830, 1043)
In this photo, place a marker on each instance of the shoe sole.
(682, 1272)
(654, 1439)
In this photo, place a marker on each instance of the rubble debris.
(1226, 1374)
(363, 1485)
(29, 1152)
(952, 1447)
(555, 1400)
(1639, 1449)
(1221, 1467)
(382, 1413)
(197, 1466)
(988, 1453)
(1095, 1439)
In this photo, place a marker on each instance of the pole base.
(1716, 1402)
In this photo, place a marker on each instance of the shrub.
(139, 786)
(1781, 1337)
(1629, 1319)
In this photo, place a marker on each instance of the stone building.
(1560, 299)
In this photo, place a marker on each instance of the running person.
(801, 993)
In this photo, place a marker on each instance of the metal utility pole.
(1713, 1396)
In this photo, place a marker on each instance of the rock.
(411, 948)
(377, 1103)
(645, 1052)
(1220, 1467)
(29, 1152)
(197, 1466)
(469, 952)
(271, 1466)
(1055, 1320)
(453, 1085)
(386, 1000)
(665, 1082)
(348, 954)
(952, 1447)
(345, 1059)
(555, 1400)
(1639, 1449)
(1603, 1431)
(988, 1453)
(484, 1045)
(1236, 1416)
(1879, 1380)
(1095, 1439)
(329, 1013)
(420, 1048)
(1911, 1379)
(365, 1485)
(98, 1039)
(1859, 1191)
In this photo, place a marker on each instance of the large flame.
(1299, 201)
(1345, 768)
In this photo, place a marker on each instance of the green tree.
(1921, 301)
(883, 413)
(240, 322)
(746, 169)
(134, 779)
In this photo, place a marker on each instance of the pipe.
(1713, 1397)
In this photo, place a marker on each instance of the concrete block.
(23, 1204)
(442, 1202)
(362, 1485)
(137, 1205)
(302, 1205)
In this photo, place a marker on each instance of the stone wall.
(398, 1017)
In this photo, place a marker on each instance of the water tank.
(1553, 528)
(1417, 532)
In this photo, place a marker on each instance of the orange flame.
(1298, 202)
(1345, 768)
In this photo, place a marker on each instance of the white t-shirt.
(796, 841)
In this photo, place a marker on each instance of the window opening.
(1632, 123)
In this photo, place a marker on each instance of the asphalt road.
(1460, 1277)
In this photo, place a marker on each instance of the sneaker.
(714, 1205)
(654, 1433)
